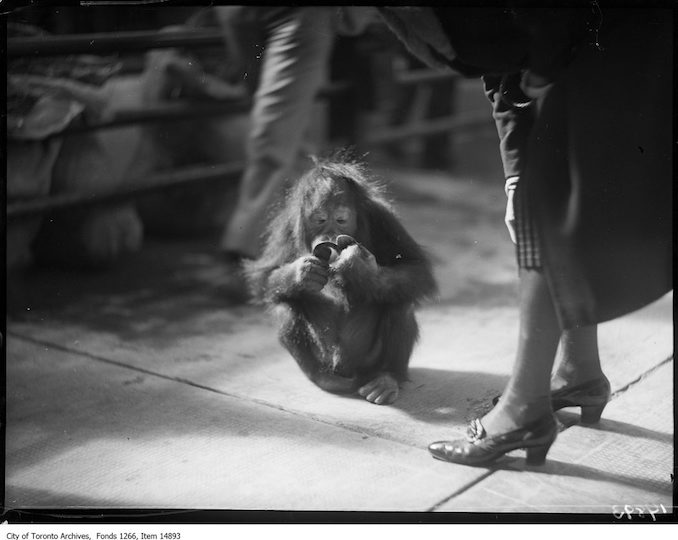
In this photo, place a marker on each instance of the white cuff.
(511, 184)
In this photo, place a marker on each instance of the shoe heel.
(536, 455)
(591, 414)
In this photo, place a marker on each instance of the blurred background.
(130, 122)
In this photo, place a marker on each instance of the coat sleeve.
(421, 32)
(555, 36)
(513, 123)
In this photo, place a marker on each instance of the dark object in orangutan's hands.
(344, 277)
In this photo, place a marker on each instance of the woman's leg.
(527, 396)
(579, 361)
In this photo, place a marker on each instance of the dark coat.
(599, 171)
(596, 161)
(514, 123)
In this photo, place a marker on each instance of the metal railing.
(173, 111)
(130, 42)
(131, 190)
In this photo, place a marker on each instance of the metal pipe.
(110, 42)
(168, 112)
(173, 110)
(135, 189)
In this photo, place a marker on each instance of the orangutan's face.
(332, 213)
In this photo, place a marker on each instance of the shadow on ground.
(437, 396)
(554, 468)
(154, 292)
(631, 430)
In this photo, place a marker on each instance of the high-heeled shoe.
(480, 449)
(591, 396)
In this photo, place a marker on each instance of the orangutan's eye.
(319, 218)
(342, 215)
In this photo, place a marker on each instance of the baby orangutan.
(344, 278)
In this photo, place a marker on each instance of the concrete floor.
(141, 387)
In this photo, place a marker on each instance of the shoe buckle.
(475, 431)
